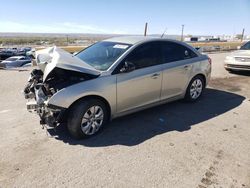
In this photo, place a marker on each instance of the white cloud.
(66, 27)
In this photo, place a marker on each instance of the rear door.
(177, 63)
(22, 61)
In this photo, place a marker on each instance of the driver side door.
(141, 86)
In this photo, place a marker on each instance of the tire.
(84, 119)
(230, 70)
(195, 89)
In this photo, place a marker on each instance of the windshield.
(103, 54)
(245, 46)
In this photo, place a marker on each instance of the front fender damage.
(58, 70)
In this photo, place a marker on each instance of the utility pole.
(67, 39)
(182, 30)
(242, 36)
(146, 28)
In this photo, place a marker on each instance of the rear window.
(175, 52)
(246, 46)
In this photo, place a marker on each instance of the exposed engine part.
(57, 80)
(38, 92)
(34, 79)
(32, 106)
(58, 70)
(40, 96)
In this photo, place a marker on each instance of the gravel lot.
(205, 144)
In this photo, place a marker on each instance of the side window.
(145, 55)
(246, 46)
(175, 52)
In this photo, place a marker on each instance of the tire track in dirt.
(209, 177)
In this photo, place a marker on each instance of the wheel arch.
(187, 95)
(203, 76)
(93, 97)
(198, 74)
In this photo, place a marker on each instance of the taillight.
(210, 60)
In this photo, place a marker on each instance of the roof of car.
(131, 39)
(138, 39)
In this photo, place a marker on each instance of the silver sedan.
(113, 78)
(15, 61)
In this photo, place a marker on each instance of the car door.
(177, 63)
(141, 86)
(26, 61)
(21, 61)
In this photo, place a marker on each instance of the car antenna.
(164, 32)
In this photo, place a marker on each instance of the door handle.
(156, 75)
(187, 67)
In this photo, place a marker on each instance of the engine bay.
(38, 91)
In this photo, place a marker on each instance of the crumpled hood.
(53, 57)
(241, 53)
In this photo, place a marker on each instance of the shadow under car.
(179, 116)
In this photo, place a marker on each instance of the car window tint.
(246, 46)
(175, 52)
(145, 55)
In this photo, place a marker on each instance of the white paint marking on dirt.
(4, 111)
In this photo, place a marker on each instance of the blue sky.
(200, 17)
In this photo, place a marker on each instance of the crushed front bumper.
(50, 115)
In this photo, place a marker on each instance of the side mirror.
(75, 53)
(128, 67)
(238, 47)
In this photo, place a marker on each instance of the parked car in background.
(15, 61)
(9, 52)
(112, 78)
(239, 60)
(6, 53)
(31, 53)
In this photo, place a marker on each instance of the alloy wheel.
(92, 120)
(196, 88)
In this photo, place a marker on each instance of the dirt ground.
(201, 145)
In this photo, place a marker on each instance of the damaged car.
(113, 78)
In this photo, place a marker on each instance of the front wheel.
(195, 89)
(86, 118)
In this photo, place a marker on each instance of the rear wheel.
(87, 118)
(195, 89)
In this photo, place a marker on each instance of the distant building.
(214, 39)
(227, 37)
(191, 39)
(81, 41)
